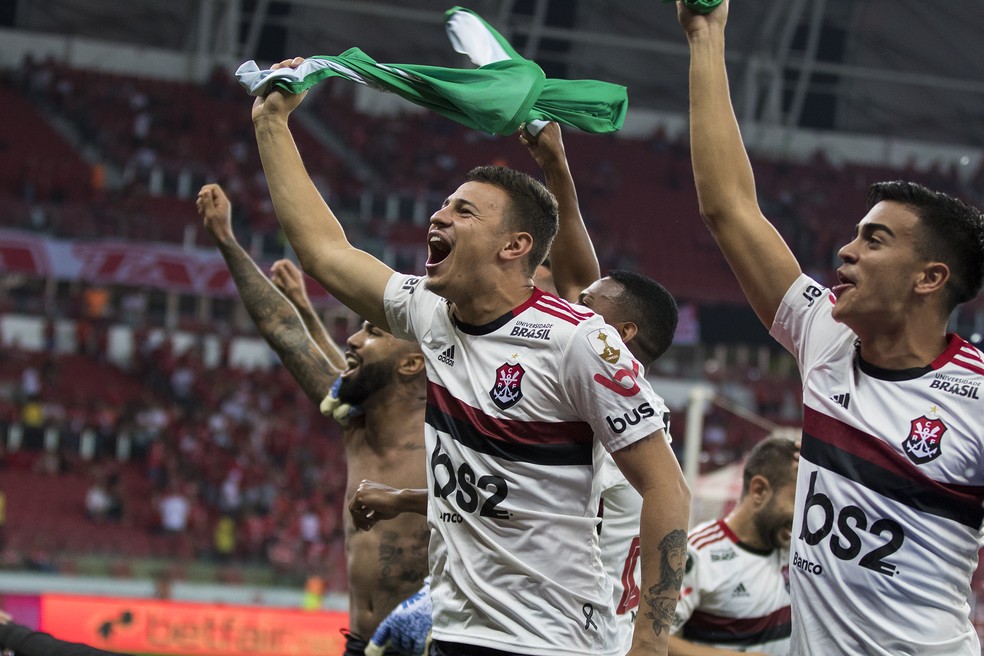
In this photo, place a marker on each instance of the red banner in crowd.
(194, 271)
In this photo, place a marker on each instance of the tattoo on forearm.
(672, 559)
(662, 597)
(280, 325)
(661, 613)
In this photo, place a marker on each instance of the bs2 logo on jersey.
(845, 527)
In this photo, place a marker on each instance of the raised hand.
(216, 212)
(289, 280)
(547, 147)
(692, 21)
(277, 102)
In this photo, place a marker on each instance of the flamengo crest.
(923, 443)
(507, 390)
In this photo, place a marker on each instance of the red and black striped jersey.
(513, 411)
(733, 597)
(889, 492)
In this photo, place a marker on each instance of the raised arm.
(761, 260)
(652, 469)
(354, 277)
(273, 314)
(572, 257)
(289, 280)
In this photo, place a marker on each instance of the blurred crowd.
(235, 465)
(143, 146)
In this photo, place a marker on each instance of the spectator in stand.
(174, 509)
(224, 539)
(230, 495)
(183, 380)
(97, 500)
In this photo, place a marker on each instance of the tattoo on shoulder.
(661, 598)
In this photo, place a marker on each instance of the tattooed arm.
(270, 310)
(652, 469)
(289, 279)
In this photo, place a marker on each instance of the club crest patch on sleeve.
(507, 390)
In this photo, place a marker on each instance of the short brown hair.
(532, 208)
(772, 459)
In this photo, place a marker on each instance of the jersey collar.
(495, 324)
(954, 343)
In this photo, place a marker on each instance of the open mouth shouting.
(438, 250)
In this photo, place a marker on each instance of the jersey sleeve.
(404, 301)
(690, 591)
(608, 388)
(804, 323)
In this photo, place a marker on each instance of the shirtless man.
(517, 462)
(378, 373)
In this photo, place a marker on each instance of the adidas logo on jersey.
(740, 591)
(843, 400)
(447, 357)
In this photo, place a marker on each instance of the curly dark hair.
(652, 308)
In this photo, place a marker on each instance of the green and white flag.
(505, 90)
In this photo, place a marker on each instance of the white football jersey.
(733, 597)
(889, 492)
(620, 510)
(513, 409)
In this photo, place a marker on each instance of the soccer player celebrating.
(381, 375)
(642, 312)
(888, 503)
(735, 594)
(645, 316)
(520, 384)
